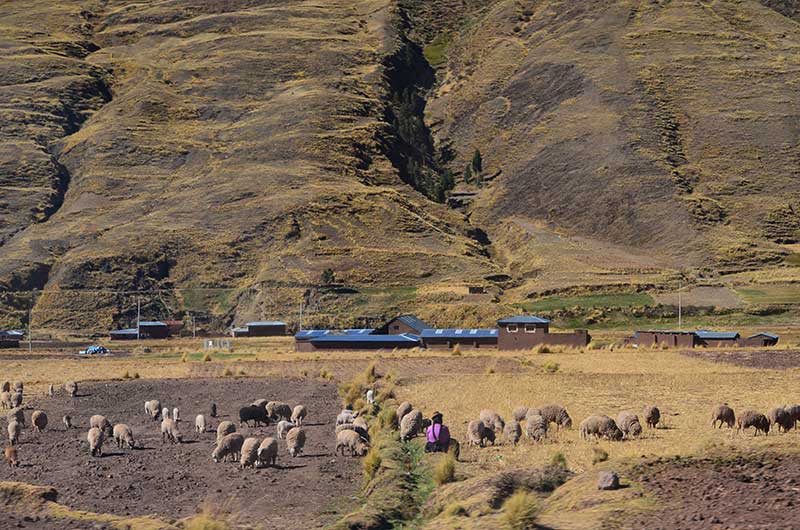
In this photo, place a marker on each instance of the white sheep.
(176, 414)
(299, 414)
(370, 396)
(249, 453)
(14, 430)
(165, 413)
(51, 391)
(346, 416)
(67, 421)
(200, 423)
(230, 446)
(39, 420)
(102, 423)
(410, 425)
(225, 428)
(123, 435)
(96, 439)
(352, 442)
(283, 428)
(72, 388)
(295, 440)
(267, 452)
(170, 432)
(153, 409)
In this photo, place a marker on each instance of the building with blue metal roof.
(333, 341)
(9, 338)
(402, 324)
(464, 338)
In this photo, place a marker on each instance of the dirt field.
(774, 359)
(176, 480)
(755, 492)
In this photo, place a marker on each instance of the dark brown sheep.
(724, 415)
(751, 418)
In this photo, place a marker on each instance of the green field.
(597, 300)
(788, 293)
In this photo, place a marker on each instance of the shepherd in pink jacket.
(438, 435)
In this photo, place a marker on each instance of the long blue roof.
(125, 331)
(359, 331)
(311, 333)
(716, 335)
(765, 334)
(523, 319)
(404, 338)
(150, 323)
(266, 323)
(458, 333)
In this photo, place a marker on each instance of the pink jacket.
(438, 433)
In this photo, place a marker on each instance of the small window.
(530, 328)
(512, 328)
(396, 327)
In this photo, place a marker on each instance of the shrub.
(325, 374)
(455, 510)
(240, 371)
(558, 459)
(519, 511)
(207, 358)
(126, 375)
(184, 357)
(372, 462)
(303, 373)
(543, 348)
(370, 375)
(136, 375)
(456, 350)
(492, 368)
(445, 470)
(599, 455)
(385, 393)
(387, 419)
(551, 367)
(227, 372)
(205, 522)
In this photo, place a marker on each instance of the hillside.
(250, 145)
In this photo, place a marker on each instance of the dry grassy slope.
(667, 130)
(244, 143)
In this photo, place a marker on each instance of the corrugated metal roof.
(413, 322)
(358, 331)
(523, 319)
(266, 323)
(126, 331)
(664, 331)
(311, 333)
(764, 334)
(404, 338)
(12, 333)
(458, 333)
(716, 335)
(240, 330)
(150, 323)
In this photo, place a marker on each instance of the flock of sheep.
(351, 431)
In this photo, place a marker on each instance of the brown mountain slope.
(245, 142)
(671, 129)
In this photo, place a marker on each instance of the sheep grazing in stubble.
(519, 413)
(492, 420)
(14, 430)
(200, 423)
(16, 399)
(258, 415)
(600, 426)
(629, 424)
(10, 454)
(102, 423)
(225, 428)
(535, 427)
(794, 413)
(72, 388)
(6, 386)
(282, 428)
(295, 441)
(165, 413)
(556, 414)
(5, 399)
(123, 435)
(170, 431)
(410, 425)
(95, 437)
(299, 414)
(476, 433)
(351, 442)
(278, 410)
(51, 391)
(67, 421)
(780, 418)
(176, 414)
(651, 416)
(364, 433)
(402, 409)
(267, 452)
(16, 414)
(751, 418)
(39, 420)
(345, 416)
(260, 403)
(724, 415)
(249, 453)
(153, 409)
(512, 432)
(228, 448)
(370, 396)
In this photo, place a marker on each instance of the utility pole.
(30, 316)
(680, 307)
(138, 315)
(194, 329)
(301, 316)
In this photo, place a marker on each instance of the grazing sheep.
(283, 428)
(67, 421)
(154, 409)
(249, 453)
(628, 422)
(72, 388)
(200, 423)
(123, 435)
(213, 411)
(39, 420)
(16, 399)
(5, 399)
(224, 428)
(260, 403)
(101, 423)
(794, 412)
(361, 423)
(267, 452)
(512, 432)
(14, 430)
(170, 432)
(600, 426)
(16, 414)
(278, 410)
(402, 409)
(751, 418)
(556, 414)
(652, 416)
(476, 433)
(352, 442)
(10, 455)
(724, 415)
(410, 425)
(51, 391)
(257, 415)
(18, 386)
(295, 440)
(345, 416)
(536, 427)
(519, 413)
(364, 433)
(299, 414)
(780, 418)
(229, 447)
(165, 413)
(370, 396)
(492, 420)
(176, 414)
(96, 439)
(6, 386)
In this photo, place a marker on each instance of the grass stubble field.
(460, 384)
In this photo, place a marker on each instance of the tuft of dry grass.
(445, 470)
(520, 510)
